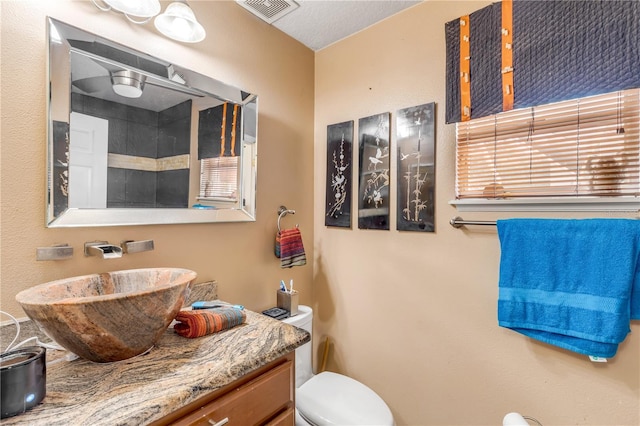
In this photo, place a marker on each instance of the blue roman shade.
(561, 50)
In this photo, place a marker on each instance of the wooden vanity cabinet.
(265, 396)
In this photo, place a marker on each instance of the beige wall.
(240, 50)
(413, 315)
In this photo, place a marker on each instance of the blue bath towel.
(573, 283)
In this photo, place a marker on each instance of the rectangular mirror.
(136, 140)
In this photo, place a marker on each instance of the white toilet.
(329, 398)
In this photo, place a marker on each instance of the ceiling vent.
(269, 10)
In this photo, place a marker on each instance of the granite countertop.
(140, 390)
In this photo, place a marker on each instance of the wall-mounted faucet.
(102, 249)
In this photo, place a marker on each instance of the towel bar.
(458, 222)
(283, 211)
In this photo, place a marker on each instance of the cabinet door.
(254, 403)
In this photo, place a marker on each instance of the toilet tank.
(304, 320)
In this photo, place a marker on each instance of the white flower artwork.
(339, 174)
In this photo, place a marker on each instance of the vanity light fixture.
(145, 9)
(128, 83)
(179, 23)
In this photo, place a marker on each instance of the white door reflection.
(88, 152)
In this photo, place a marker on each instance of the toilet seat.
(333, 399)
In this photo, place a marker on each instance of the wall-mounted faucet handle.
(137, 246)
(102, 249)
(57, 252)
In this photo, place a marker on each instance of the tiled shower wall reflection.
(142, 139)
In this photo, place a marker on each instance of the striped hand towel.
(291, 248)
(207, 321)
(277, 247)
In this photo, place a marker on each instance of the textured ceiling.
(319, 23)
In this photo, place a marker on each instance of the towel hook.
(282, 211)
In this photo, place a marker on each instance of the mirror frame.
(59, 106)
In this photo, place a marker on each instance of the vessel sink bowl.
(109, 316)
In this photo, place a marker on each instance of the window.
(586, 147)
(219, 179)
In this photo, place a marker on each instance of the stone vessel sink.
(109, 316)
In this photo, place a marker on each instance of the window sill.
(559, 204)
(217, 199)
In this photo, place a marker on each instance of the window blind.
(219, 178)
(581, 147)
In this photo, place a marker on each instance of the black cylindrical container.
(23, 379)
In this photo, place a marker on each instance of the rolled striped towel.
(201, 322)
(291, 248)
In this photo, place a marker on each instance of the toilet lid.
(333, 399)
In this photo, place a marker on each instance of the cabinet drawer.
(286, 418)
(254, 403)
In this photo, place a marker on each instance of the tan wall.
(438, 357)
(413, 315)
(240, 50)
